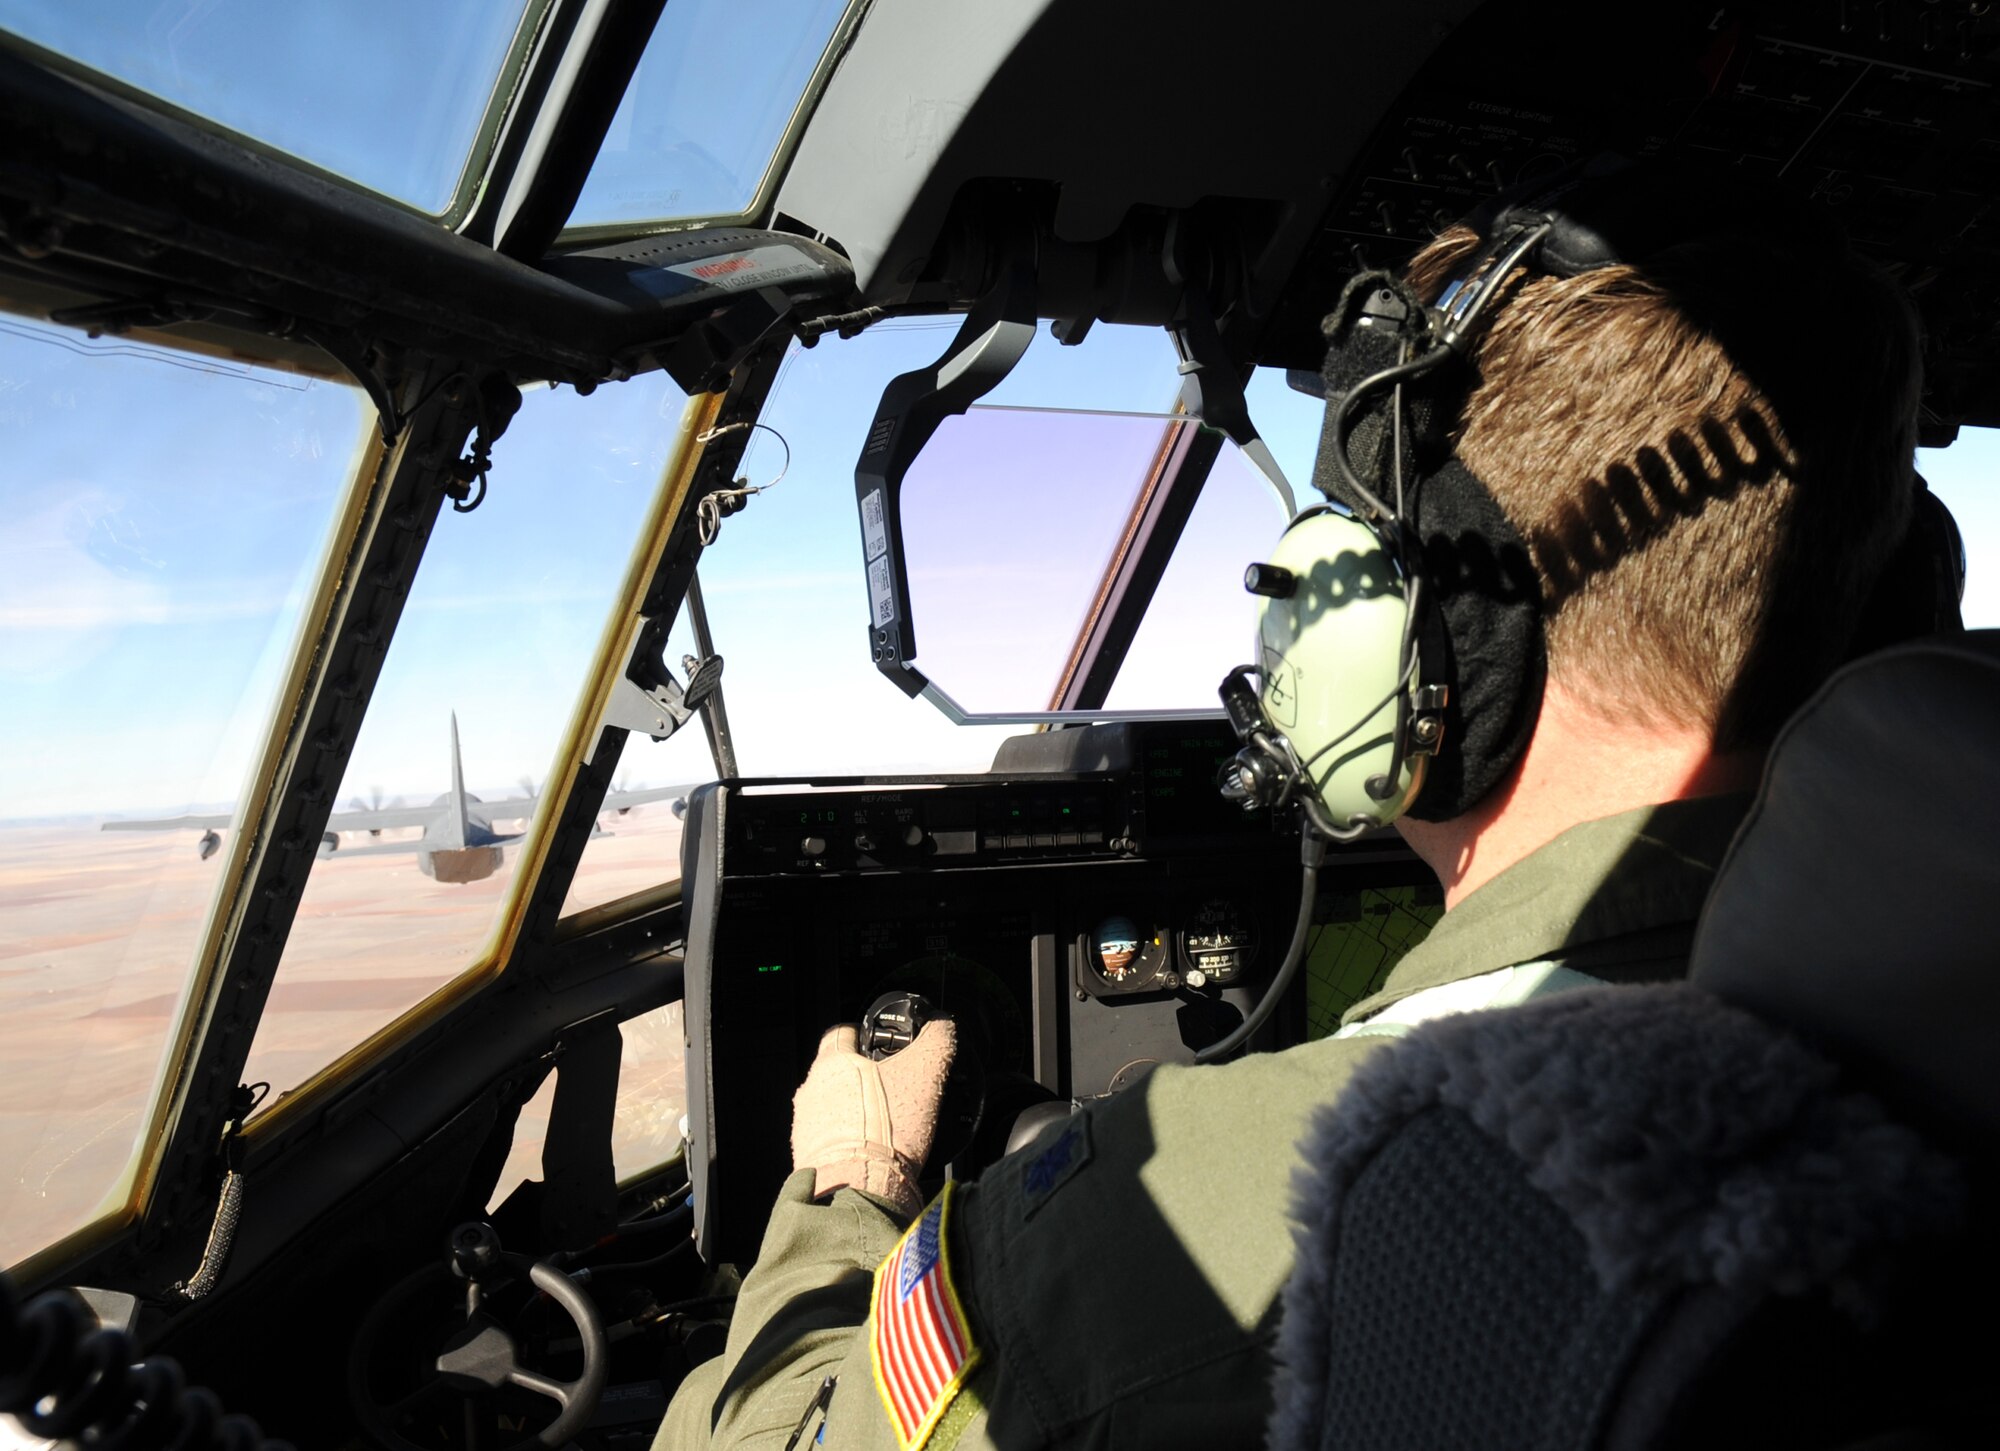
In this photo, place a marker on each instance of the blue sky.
(153, 549)
(706, 107)
(712, 95)
(293, 75)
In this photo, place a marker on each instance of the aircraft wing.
(619, 800)
(379, 848)
(514, 808)
(172, 823)
(386, 818)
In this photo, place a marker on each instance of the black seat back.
(1681, 1216)
(1861, 901)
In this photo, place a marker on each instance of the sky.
(402, 123)
(693, 136)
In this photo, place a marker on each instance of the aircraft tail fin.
(459, 818)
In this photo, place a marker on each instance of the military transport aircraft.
(457, 840)
(927, 362)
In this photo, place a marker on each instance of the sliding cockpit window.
(161, 515)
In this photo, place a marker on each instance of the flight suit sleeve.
(800, 1315)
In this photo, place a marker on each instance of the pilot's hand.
(860, 1123)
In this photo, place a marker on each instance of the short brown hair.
(1710, 457)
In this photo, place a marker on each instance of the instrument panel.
(1078, 925)
(1208, 943)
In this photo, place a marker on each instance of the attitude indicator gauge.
(1120, 956)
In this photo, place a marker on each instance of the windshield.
(392, 96)
(1964, 476)
(707, 110)
(1013, 519)
(160, 517)
(453, 756)
(784, 582)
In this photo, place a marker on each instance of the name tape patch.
(919, 1344)
(1066, 1153)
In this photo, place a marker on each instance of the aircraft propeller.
(373, 802)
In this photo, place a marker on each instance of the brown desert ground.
(97, 932)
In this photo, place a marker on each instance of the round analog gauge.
(1124, 954)
(1218, 941)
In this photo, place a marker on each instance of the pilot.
(1705, 455)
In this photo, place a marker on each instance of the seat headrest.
(1860, 902)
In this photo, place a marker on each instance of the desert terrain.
(97, 934)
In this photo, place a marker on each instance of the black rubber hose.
(629, 1267)
(63, 1377)
(1312, 852)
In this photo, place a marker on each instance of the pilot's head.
(1649, 440)
(1708, 454)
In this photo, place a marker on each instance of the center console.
(1085, 910)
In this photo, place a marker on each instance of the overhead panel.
(1115, 113)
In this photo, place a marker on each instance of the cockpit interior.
(858, 415)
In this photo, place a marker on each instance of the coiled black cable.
(66, 1378)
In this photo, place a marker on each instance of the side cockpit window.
(1967, 477)
(450, 768)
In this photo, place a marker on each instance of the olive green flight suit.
(1122, 1273)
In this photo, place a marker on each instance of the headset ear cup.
(1921, 585)
(1329, 653)
(1947, 556)
(1485, 639)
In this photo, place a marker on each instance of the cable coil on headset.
(65, 1378)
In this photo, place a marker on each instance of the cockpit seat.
(1860, 903)
(1751, 1209)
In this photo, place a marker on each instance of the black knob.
(1273, 581)
(475, 1250)
(893, 1021)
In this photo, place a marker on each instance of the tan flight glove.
(868, 1125)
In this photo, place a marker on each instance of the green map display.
(1365, 934)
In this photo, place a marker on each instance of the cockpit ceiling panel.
(1264, 100)
(1323, 139)
(1887, 115)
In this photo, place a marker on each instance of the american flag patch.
(920, 1345)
